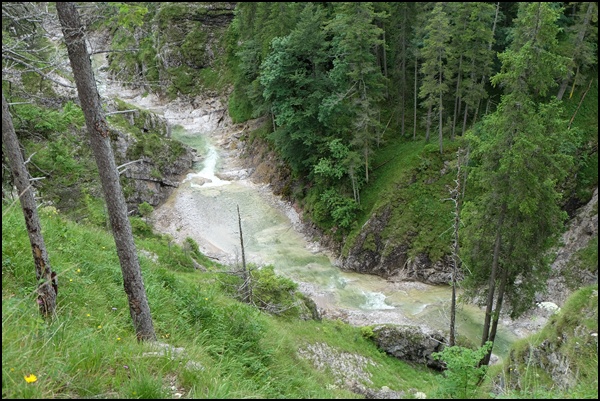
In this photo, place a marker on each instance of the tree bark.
(403, 72)
(428, 124)
(100, 142)
(247, 285)
(456, 194)
(492, 281)
(441, 106)
(46, 278)
(483, 78)
(415, 100)
(457, 97)
(496, 317)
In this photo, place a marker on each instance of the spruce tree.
(519, 155)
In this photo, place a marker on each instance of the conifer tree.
(581, 45)
(353, 108)
(47, 281)
(100, 142)
(435, 68)
(295, 83)
(519, 154)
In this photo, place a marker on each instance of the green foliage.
(463, 372)
(341, 209)
(587, 258)
(193, 48)
(274, 293)
(30, 119)
(130, 15)
(239, 106)
(367, 332)
(568, 336)
(521, 154)
(140, 227)
(145, 209)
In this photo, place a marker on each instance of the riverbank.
(177, 215)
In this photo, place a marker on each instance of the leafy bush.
(342, 210)
(145, 209)
(140, 227)
(273, 293)
(462, 371)
(34, 119)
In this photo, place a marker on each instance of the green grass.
(232, 350)
(407, 178)
(571, 337)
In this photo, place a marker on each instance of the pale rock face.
(549, 306)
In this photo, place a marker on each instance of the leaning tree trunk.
(100, 141)
(46, 278)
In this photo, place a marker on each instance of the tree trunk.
(441, 106)
(415, 101)
(483, 77)
(100, 142)
(428, 124)
(464, 126)
(456, 194)
(498, 309)
(492, 282)
(580, 37)
(246, 285)
(457, 98)
(46, 278)
(385, 70)
(403, 75)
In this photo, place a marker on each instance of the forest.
(462, 135)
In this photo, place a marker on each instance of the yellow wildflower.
(30, 378)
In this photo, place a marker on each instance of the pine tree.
(47, 281)
(295, 83)
(519, 154)
(435, 68)
(100, 141)
(581, 45)
(353, 108)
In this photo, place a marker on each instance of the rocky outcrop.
(372, 253)
(151, 163)
(566, 275)
(410, 343)
(557, 355)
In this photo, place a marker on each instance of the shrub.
(462, 371)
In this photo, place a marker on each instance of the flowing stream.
(204, 207)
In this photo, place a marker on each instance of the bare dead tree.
(246, 285)
(456, 198)
(47, 281)
(100, 142)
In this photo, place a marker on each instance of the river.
(204, 207)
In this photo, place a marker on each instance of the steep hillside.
(213, 346)
(562, 357)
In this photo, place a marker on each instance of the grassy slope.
(406, 176)
(536, 366)
(232, 350)
(89, 350)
